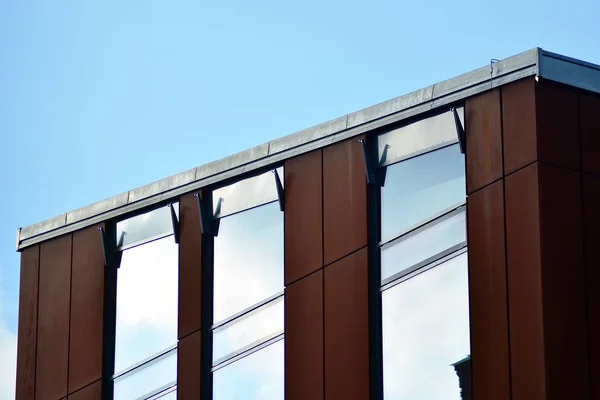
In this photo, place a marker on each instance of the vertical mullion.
(110, 317)
(206, 345)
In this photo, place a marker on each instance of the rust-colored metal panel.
(188, 367)
(304, 338)
(347, 328)
(591, 199)
(53, 319)
(303, 215)
(190, 266)
(90, 392)
(589, 120)
(524, 265)
(484, 140)
(87, 309)
(488, 305)
(519, 130)
(344, 199)
(557, 125)
(28, 314)
(563, 279)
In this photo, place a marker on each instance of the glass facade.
(147, 302)
(423, 260)
(248, 312)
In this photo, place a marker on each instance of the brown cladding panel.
(190, 262)
(484, 140)
(87, 308)
(304, 338)
(188, 367)
(525, 285)
(303, 215)
(488, 294)
(557, 125)
(563, 278)
(591, 192)
(53, 319)
(91, 392)
(589, 119)
(344, 199)
(347, 328)
(28, 307)
(519, 124)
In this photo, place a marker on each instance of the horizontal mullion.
(424, 225)
(248, 350)
(253, 309)
(424, 265)
(144, 241)
(158, 391)
(145, 363)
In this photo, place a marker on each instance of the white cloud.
(8, 360)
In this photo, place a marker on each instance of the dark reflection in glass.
(418, 188)
(248, 330)
(259, 376)
(147, 283)
(144, 380)
(248, 260)
(151, 225)
(423, 245)
(426, 331)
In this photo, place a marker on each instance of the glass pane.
(425, 331)
(247, 193)
(421, 187)
(143, 227)
(169, 394)
(430, 133)
(248, 260)
(258, 376)
(146, 302)
(423, 245)
(249, 330)
(146, 379)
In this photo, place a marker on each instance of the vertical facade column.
(190, 299)
(529, 310)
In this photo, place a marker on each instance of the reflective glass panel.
(425, 331)
(258, 376)
(422, 245)
(141, 228)
(146, 379)
(169, 394)
(245, 194)
(419, 188)
(147, 284)
(248, 330)
(420, 136)
(248, 260)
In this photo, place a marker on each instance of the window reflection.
(248, 259)
(249, 330)
(425, 332)
(423, 245)
(418, 188)
(259, 376)
(144, 227)
(147, 378)
(146, 302)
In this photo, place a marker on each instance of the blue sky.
(100, 97)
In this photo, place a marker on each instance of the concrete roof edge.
(532, 62)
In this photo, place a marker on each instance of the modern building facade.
(441, 245)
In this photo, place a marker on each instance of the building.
(332, 263)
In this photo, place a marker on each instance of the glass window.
(424, 245)
(259, 376)
(145, 227)
(148, 379)
(426, 331)
(248, 260)
(419, 188)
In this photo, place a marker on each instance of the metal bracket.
(460, 131)
(175, 223)
(208, 224)
(280, 191)
(111, 256)
(370, 168)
